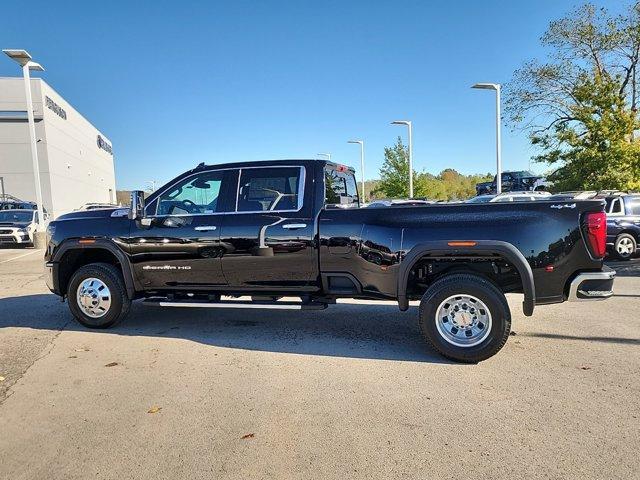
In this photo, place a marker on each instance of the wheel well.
(633, 233)
(76, 258)
(497, 269)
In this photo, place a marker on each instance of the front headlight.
(22, 231)
(51, 229)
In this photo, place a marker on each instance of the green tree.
(580, 107)
(394, 173)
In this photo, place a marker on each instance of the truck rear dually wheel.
(465, 317)
(97, 295)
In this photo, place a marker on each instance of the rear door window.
(634, 206)
(270, 189)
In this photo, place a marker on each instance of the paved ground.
(350, 392)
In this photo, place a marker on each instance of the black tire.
(628, 242)
(483, 290)
(119, 301)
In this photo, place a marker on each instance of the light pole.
(408, 124)
(326, 155)
(496, 87)
(23, 58)
(152, 185)
(361, 143)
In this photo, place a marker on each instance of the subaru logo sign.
(104, 145)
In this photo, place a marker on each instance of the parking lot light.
(496, 87)
(23, 58)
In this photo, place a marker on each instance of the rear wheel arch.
(634, 232)
(482, 247)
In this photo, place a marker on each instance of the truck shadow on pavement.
(555, 336)
(371, 331)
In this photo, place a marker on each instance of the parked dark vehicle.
(273, 229)
(623, 224)
(514, 181)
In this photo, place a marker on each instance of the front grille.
(6, 232)
(7, 240)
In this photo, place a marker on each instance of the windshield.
(14, 216)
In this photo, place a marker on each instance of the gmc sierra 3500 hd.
(272, 229)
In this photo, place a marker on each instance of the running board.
(234, 304)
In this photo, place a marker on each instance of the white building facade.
(76, 159)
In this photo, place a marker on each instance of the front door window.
(192, 196)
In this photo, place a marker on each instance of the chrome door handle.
(294, 226)
(205, 228)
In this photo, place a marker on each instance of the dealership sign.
(104, 145)
(57, 109)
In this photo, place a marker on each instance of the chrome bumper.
(48, 276)
(592, 286)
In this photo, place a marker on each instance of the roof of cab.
(261, 163)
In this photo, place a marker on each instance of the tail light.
(596, 229)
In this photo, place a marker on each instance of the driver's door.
(179, 248)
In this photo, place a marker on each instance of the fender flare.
(101, 244)
(482, 247)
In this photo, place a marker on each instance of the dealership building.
(76, 159)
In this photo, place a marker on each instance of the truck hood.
(87, 214)
(15, 224)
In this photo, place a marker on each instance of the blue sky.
(177, 83)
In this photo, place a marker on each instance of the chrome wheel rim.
(463, 320)
(93, 297)
(625, 246)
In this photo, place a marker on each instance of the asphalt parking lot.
(350, 392)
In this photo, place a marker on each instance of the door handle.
(294, 226)
(205, 228)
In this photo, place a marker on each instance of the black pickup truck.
(292, 228)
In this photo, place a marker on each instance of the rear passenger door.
(268, 239)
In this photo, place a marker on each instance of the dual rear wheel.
(465, 317)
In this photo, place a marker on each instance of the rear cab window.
(340, 188)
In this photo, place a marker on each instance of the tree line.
(447, 185)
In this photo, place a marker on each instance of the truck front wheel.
(97, 295)
(465, 317)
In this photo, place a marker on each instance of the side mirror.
(137, 205)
